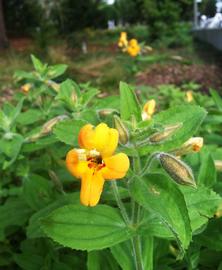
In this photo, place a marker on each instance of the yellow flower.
(123, 42)
(194, 144)
(149, 109)
(189, 96)
(26, 87)
(133, 49)
(96, 161)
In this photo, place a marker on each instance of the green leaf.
(147, 251)
(217, 99)
(88, 96)
(29, 261)
(38, 65)
(207, 173)
(68, 93)
(14, 212)
(86, 228)
(21, 74)
(129, 105)
(29, 117)
(34, 228)
(93, 260)
(160, 196)
(37, 191)
(56, 71)
(123, 255)
(212, 237)
(67, 131)
(202, 204)
(10, 145)
(190, 118)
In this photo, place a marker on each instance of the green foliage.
(144, 221)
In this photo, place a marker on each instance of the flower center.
(95, 163)
(93, 158)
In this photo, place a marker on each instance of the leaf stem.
(119, 202)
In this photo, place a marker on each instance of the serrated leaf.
(85, 228)
(190, 118)
(202, 204)
(160, 196)
(67, 131)
(129, 105)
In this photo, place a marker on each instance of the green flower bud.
(123, 132)
(177, 169)
(165, 134)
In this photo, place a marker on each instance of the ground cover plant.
(123, 181)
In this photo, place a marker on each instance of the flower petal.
(111, 144)
(91, 188)
(86, 137)
(76, 168)
(116, 166)
(101, 137)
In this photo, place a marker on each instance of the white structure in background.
(208, 23)
(111, 24)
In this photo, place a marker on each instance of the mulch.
(208, 76)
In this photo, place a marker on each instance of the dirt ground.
(208, 76)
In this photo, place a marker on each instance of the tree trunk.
(3, 37)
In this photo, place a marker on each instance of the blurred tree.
(22, 17)
(78, 15)
(3, 37)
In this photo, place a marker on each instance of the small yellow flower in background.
(149, 109)
(189, 96)
(26, 87)
(123, 42)
(96, 161)
(133, 48)
(194, 144)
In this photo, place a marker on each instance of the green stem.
(136, 243)
(119, 202)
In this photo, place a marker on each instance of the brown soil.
(208, 76)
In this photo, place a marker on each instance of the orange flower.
(96, 161)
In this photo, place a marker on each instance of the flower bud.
(74, 97)
(26, 87)
(122, 130)
(177, 169)
(165, 134)
(218, 165)
(106, 112)
(194, 144)
(47, 127)
(55, 86)
(149, 109)
(189, 96)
